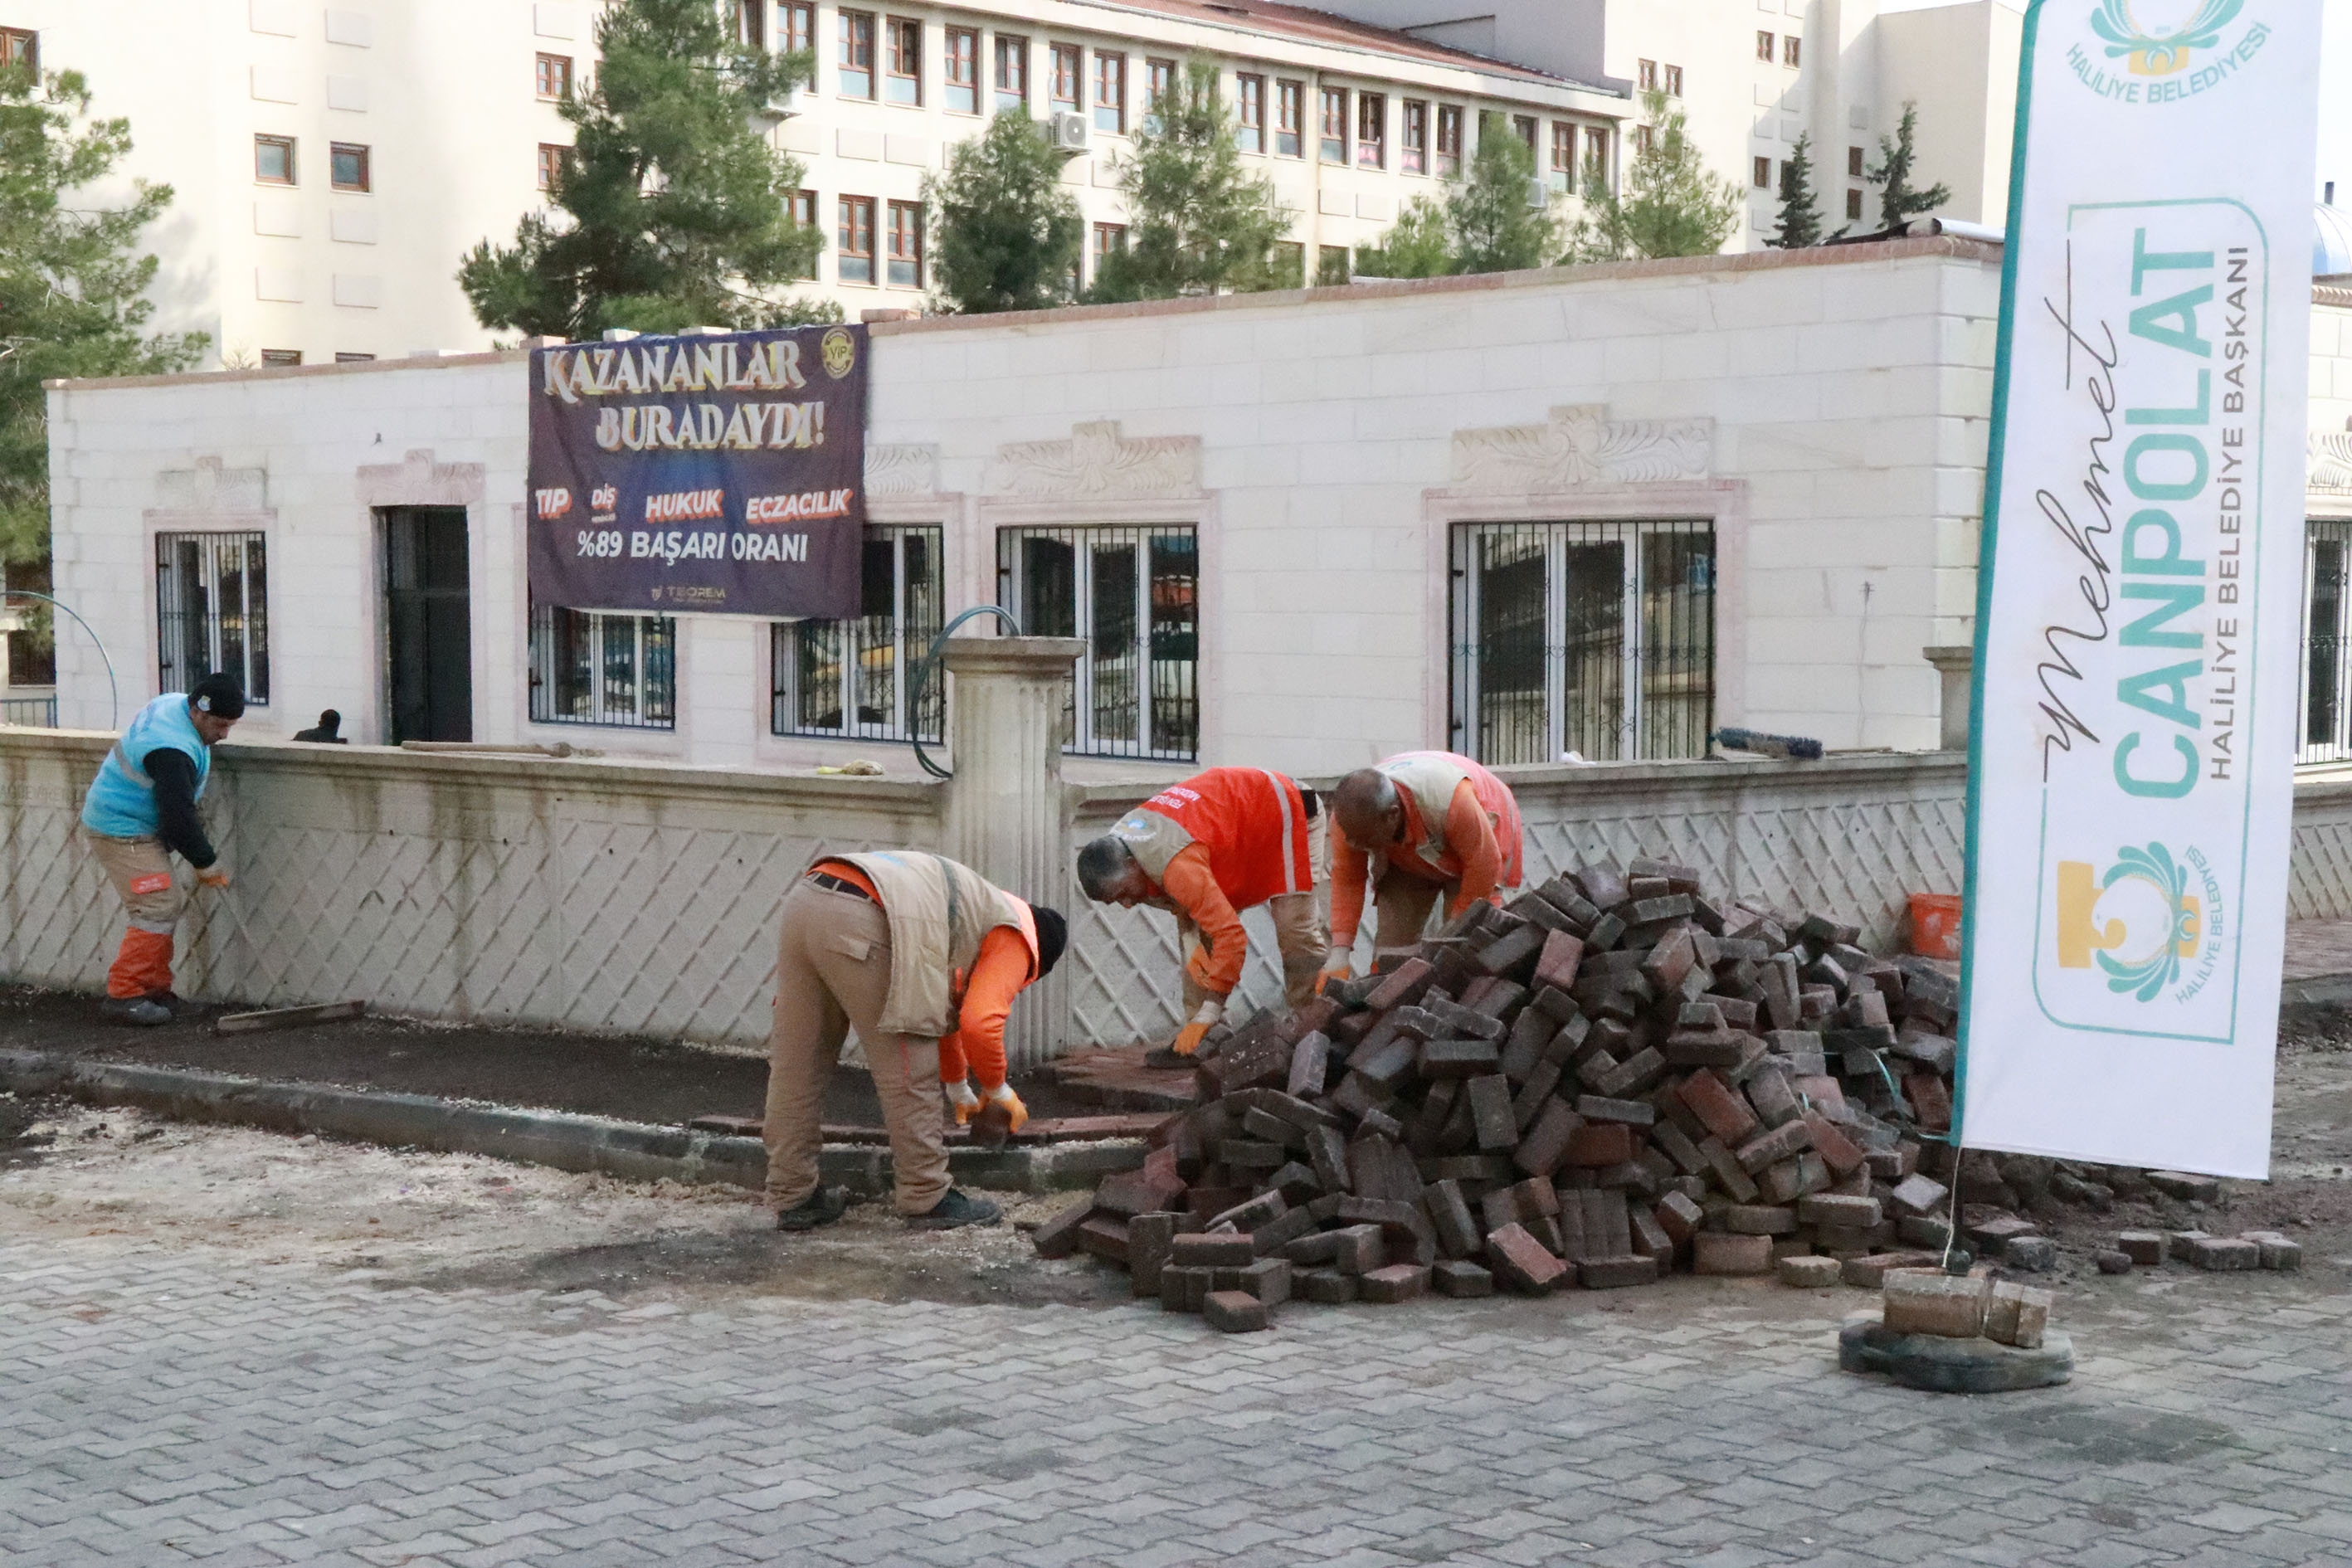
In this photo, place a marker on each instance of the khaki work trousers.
(833, 972)
(1400, 910)
(140, 871)
(1302, 927)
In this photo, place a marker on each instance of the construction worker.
(139, 811)
(923, 957)
(1221, 842)
(1419, 825)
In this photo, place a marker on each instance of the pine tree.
(1899, 203)
(1495, 227)
(1672, 206)
(1800, 217)
(675, 212)
(72, 282)
(1198, 223)
(1006, 231)
(1420, 245)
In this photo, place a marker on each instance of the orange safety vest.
(1252, 821)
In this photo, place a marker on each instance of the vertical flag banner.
(723, 472)
(2139, 594)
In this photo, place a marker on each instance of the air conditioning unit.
(1538, 193)
(1067, 131)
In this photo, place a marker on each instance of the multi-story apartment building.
(332, 164)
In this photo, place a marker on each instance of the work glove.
(965, 1102)
(1188, 1039)
(1335, 970)
(1003, 1099)
(213, 876)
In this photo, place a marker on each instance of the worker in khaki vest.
(1420, 826)
(1221, 842)
(923, 957)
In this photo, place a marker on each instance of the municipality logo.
(2171, 49)
(2136, 922)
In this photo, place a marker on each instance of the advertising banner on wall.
(717, 473)
(2139, 594)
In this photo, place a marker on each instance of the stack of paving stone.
(1967, 1333)
(1607, 1079)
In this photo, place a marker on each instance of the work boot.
(957, 1208)
(169, 1000)
(136, 1011)
(822, 1207)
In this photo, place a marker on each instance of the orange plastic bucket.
(1935, 925)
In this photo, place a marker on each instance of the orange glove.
(213, 876)
(965, 1103)
(1002, 1096)
(1188, 1039)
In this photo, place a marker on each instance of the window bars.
(2325, 733)
(1133, 594)
(849, 677)
(1591, 638)
(212, 610)
(589, 667)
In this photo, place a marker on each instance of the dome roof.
(2331, 245)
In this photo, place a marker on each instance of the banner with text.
(718, 472)
(2139, 594)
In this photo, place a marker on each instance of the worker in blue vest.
(141, 809)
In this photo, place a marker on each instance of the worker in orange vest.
(1417, 826)
(1221, 842)
(923, 957)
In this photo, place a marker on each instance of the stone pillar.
(1954, 664)
(1006, 817)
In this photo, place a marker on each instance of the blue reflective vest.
(122, 799)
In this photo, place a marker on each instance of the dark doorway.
(428, 638)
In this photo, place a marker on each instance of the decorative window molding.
(1098, 462)
(211, 490)
(2329, 464)
(1580, 447)
(417, 480)
(910, 469)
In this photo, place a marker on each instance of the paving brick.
(1599, 1108)
(1058, 1236)
(1771, 1147)
(1720, 1252)
(1523, 1262)
(1807, 1272)
(1918, 1194)
(2186, 1185)
(1831, 1209)
(2225, 1254)
(1760, 1219)
(1195, 1249)
(1546, 1144)
(1869, 1272)
(1149, 1239)
(1460, 1277)
(1397, 1282)
(1601, 1144)
(1678, 1216)
(1104, 1236)
(2016, 1314)
(1235, 1312)
(2035, 1253)
(1616, 1273)
(1940, 1304)
(1492, 1125)
(1182, 1288)
(1458, 1234)
(1327, 1285)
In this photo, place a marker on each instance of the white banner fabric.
(2139, 595)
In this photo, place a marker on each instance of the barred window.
(588, 667)
(2326, 733)
(1133, 594)
(1591, 638)
(849, 677)
(212, 610)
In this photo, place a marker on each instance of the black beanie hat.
(1053, 936)
(219, 695)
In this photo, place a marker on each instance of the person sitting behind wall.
(324, 735)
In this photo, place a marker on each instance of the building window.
(1011, 74)
(1524, 127)
(1159, 77)
(554, 158)
(856, 67)
(800, 26)
(1853, 206)
(904, 83)
(347, 166)
(1066, 77)
(1290, 119)
(1854, 156)
(1647, 73)
(1110, 240)
(1332, 126)
(588, 667)
(1792, 50)
(2325, 733)
(1763, 176)
(20, 47)
(1591, 638)
(854, 245)
(273, 160)
(752, 23)
(1563, 156)
(1596, 153)
(1249, 129)
(1644, 138)
(279, 358)
(553, 76)
(1331, 266)
(1674, 82)
(1371, 129)
(212, 608)
(1110, 93)
(1764, 45)
(1289, 264)
(849, 677)
(342, 358)
(1449, 140)
(804, 216)
(963, 70)
(905, 265)
(1412, 138)
(1133, 594)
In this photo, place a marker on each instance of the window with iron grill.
(591, 668)
(212, 610)
(2325, 736)
(849, 677)
(1133, 594)
(1591, 638)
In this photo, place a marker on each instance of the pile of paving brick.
(1607, 1079)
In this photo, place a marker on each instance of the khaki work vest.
(939, 910)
